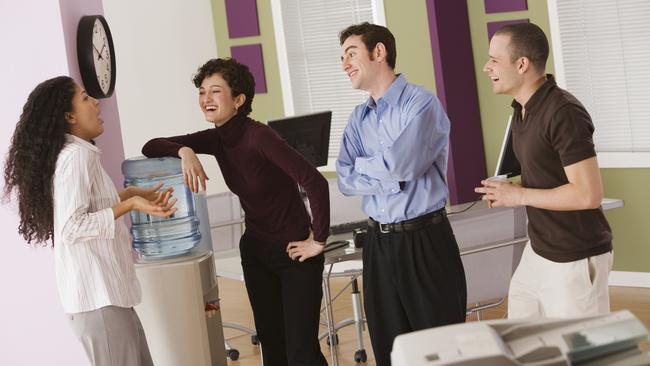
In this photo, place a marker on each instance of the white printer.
(610, 339)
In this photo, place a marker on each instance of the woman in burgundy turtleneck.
(281, 249)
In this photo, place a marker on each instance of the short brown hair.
(527, 40)
(237, 75)
(371, 34)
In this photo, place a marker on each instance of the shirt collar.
(72, 139)
(391, 96)
(538, 96)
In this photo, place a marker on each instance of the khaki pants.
(112, 336)
(543, 288)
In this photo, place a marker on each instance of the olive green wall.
(408, 22)
(630, 224)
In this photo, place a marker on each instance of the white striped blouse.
(92, 251)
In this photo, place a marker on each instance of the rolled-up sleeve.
(72, 197)
(82, 226)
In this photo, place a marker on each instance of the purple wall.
(251, 56)
(242, 18)
(110, 142)
(492, 27)
(451, 47)
(503, 6)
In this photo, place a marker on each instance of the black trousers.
(286, 297)
(411, 280)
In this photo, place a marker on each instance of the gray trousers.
(112, 336)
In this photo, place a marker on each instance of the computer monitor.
(507, 165)
(308, 133)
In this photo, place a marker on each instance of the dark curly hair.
(371, 34)
(31, 160)
(237, 75)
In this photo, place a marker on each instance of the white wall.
(159, 45)
(33, 328)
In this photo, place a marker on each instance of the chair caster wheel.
(336, 340)
(233, 354)
(360, 356)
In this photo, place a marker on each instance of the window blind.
(602, 52)
(316, 82)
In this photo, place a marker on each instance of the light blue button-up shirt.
(403, 136)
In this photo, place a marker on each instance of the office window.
(601, 52)
(306, 34)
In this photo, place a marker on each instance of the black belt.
(431, 218)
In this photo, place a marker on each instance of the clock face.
(96, 56)
(101, 56)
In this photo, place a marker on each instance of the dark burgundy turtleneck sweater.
(264, 171)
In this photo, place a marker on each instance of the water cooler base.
(179, 329)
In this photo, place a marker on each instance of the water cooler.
(180, 297)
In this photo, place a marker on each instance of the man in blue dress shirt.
(394, 154)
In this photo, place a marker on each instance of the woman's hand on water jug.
(150, 194)
(193, 173)
(162, 205)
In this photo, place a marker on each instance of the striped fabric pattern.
(92, 251)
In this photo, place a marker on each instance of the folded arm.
(350, 181)
(416, 148)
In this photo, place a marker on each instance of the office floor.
(236, 309)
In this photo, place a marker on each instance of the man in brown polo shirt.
(565, 267)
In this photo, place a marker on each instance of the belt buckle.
(382, 230)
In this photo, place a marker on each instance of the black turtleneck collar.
(233, 130)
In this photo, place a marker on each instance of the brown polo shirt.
(557, 132)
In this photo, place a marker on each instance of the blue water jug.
(156, 237)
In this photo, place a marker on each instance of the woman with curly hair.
(281, 250)
(65, 196)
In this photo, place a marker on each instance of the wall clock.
(96, 56)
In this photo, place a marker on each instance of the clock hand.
(99, 53)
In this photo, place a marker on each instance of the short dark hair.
(527, 40)
(237, 75)
(371, 34)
